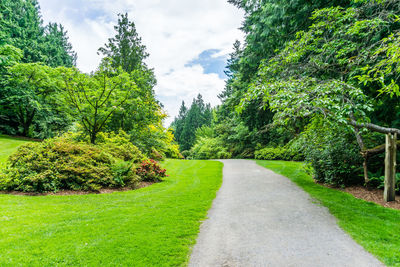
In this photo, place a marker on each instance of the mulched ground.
(372, 195)
(71, 192)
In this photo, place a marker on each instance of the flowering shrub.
(150, 171)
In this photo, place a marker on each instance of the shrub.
(279, 153)
(63, 164)
(156, 155)
(247, 153)
(150, 171)
(172, 152)
(124, 173)
(224, 155)
(271, 153)
(210, 148)
(156, 137)
(295, 149)
(186, 153)
(333, 154)
(119, 146)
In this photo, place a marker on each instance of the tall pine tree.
(21, 25)
(189, 120)
(125, 48)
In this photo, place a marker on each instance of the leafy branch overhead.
(319, 72)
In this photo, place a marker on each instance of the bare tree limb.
(374, 127)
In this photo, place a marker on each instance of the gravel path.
(260, 218)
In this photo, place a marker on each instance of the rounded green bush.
(63, 164)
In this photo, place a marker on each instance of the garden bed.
(72, 192)
(372, 195)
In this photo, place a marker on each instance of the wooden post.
(390, 167)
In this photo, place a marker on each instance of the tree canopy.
(189, 120)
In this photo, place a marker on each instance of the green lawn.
(374, 227)
(153, 226)
(7, 146)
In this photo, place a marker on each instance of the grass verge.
(9, 145)
(153, 226)
(374, 227)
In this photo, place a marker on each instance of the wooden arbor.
(390, 149)
(390, 167)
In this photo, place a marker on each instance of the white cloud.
(185, 84)
(175, 32)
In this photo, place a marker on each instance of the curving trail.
(260, 218)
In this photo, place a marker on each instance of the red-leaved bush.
(150, 171)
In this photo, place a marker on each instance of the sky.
(188, 40)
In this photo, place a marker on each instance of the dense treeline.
(43, 94)
(21, 26)
(314, 80)
(26, 106)
(189, 120)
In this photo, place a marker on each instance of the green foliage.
(334, 71)
(30, 101)
(267, 26)
(319, 70)
(205, 132)
(119, 146)
(39, 100)
(21, 25)
(210, 148)
(9, 55)
(64, 164)
(141, 115)
(292, 99)
(25, 109)
(57, 51)
(189, 120)
(125, 48)
(237, 137)
(295, 149)
(333, 154)
(186, 154)
(279, 153)
(156, 142)
(379, 182)
(94, 98)
(271, 153)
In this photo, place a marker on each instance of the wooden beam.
(376, 150)
(390, 167)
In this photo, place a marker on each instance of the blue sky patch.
(210, 62)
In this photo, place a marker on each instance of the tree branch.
(374, 127)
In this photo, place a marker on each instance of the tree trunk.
(25, 130)
(93, 137)
(364, 155)
(365, 165)
(390, 167)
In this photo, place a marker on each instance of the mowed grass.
(374, 227)
(8, 145)
(152, 226)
